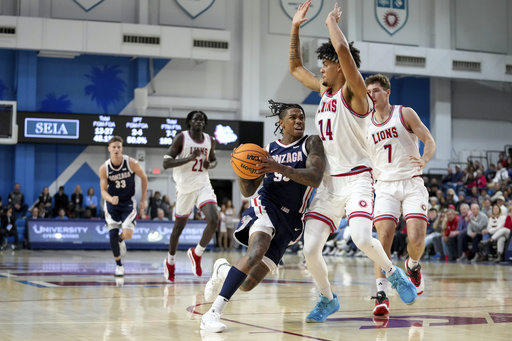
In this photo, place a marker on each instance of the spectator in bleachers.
(496, 221)
(448, 180)
(458, 239)
(155, 202)
(160, 214)
(77, 202)
(451, 198)
(501, 175)
(490, 173)
(434, 203)
(60, 201)
(17, 202)
(449, 221)
(480, 180)
(34, 213)
(486, 207)
(462, 200)
(91, 202)
(8, 228)
(46, 199)
(483, 195)
(142, 215)
(433, 223)
(42, 211)
(500, 234)
(167, 206)
(474, 195)
(500, 200)
(478, 222)
(502, 160)
(61, 214)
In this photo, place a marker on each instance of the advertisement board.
(93, 234)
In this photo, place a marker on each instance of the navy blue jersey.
(121, 181)
(280, 190)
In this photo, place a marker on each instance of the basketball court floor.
(73, 295)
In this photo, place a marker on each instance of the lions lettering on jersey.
(382, 135)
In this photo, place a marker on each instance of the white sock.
(411, 263)
(219, 304)
(382, 285)
(199, 250)
(171, 259)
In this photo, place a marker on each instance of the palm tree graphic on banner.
(107, 87)
(52, 103)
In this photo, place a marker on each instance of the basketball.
(245, 158)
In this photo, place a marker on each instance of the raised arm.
(413, 123)
(354, 89)
(295, 65)
(315, 165)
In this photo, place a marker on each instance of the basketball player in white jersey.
(341, 120)
(192, 154)
(393, 139)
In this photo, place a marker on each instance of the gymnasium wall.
(105, 84)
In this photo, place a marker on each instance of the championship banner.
(392, 14)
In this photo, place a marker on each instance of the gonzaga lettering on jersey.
(391, 144)
(285, 193)
(121, 181)
(343, 133)
(192, 175)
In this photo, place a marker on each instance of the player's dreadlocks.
(278, 109)
(192, 113)
(327, 51)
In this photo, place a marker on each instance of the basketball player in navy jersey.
(117, 183)
(191, 155)
(341, 120)
(393, 140)
(294, 167)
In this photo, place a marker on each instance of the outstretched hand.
(335, 13)
(300, 16)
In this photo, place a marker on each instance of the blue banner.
(93, 234)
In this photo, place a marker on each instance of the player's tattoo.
(294, 51)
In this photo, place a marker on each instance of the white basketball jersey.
(391, 144)
(343, 133)
(192, 175)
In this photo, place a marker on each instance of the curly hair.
(327, 51)
(192, 113)
(279, 109)
(378, 78)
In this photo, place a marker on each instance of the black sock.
(119, 262)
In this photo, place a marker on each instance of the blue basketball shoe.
(405, 288)
(323, 309)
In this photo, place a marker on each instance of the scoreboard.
(86, 129)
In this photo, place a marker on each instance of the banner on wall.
(93, 234)
(290, 8)
(392, 14)
(195, 8)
